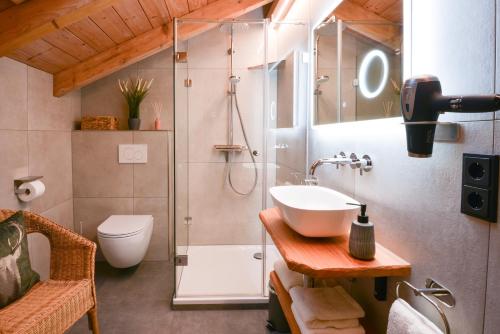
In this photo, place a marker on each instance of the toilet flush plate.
(133, 153)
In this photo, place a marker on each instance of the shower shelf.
(328, 257)
(230, 148)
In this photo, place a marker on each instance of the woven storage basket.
(99, 123)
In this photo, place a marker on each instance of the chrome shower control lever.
(364, 164)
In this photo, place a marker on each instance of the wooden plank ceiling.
(389, 12)
(80, 41)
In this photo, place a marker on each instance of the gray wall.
(103, 187)
(35, 136)
(287, 146)
(103, 97)
(415, 203)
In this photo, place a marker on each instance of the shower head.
(234, 79)
(321, 79)
(421, 104)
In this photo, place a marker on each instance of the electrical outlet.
(480, 186)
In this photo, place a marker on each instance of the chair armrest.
(72, 257)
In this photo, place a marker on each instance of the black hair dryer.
(421, 104)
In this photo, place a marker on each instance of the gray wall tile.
(46, 112)
(151, 178)
(492, 321)
(103, 98)
(158, 207)
(161, 92)
(91, 212)
(13, 94)
(28, 105)
(14, 150)
(50, 156)
(96, 171)
(103, 187)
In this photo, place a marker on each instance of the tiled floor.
(138, 301)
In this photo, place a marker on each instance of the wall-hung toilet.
(124, 239)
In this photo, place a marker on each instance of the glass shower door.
(181, 170)
(220, 78)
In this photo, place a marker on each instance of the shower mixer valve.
(364, 164)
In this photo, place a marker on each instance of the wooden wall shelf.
(328, 257)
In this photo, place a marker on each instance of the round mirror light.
(363, 73)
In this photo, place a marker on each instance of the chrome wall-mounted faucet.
(364, 164)
(338, 159)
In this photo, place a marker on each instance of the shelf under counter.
(286, 305)
(328, 257)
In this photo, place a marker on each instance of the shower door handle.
(255, 153)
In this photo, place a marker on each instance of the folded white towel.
(317, 305)
(404, 319)
(306, 330)
(325, 282)
(288, 278)
(322, 324)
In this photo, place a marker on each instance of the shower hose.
(250, 151)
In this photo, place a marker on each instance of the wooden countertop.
(328, 257)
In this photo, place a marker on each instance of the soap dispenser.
(362, 236)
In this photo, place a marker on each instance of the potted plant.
(134, 92)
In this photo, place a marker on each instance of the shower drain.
(257, 256)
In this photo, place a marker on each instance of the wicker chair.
(54, 305)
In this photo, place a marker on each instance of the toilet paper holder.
(20, 181)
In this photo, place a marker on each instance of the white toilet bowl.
(124, 239)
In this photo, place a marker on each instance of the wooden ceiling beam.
(147, 44)
(387, 33)
(31, 20)
(279, 9)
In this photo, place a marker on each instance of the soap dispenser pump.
(362, 236)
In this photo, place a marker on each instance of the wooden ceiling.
(391, 10)
(388, 12)
(80, 41)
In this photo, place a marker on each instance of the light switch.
(133, 153)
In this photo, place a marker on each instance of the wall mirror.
(283, 96)
(357, 62)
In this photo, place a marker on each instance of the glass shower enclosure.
(221, 172)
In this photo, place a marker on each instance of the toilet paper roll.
(32, 190)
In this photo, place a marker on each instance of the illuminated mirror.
(357, 62)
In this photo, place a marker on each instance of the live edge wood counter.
(328, 257)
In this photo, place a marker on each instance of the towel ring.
(441, 293)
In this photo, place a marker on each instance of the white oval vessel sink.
(315, 211)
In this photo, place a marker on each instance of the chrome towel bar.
(432, 288)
